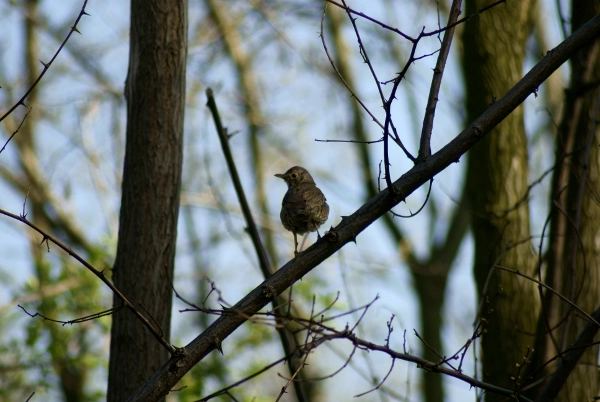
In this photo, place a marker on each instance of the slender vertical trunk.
(574, 255)
(143, 270)
(497, 181)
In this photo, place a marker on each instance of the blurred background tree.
(528, 190)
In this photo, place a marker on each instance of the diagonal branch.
(436, 83)
(157, 332)
(287, 339)
(570, 360)
(47, 65)
(347, 231)
(263, 258)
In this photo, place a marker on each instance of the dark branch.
(167, 376)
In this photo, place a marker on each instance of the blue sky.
(82, 156)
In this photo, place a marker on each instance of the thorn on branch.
(218, 345)
(333, 235)
(45, 239)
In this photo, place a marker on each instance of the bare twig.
(436, 83)
(364, 54)
(331, 334)
(422, 205)
(47, 65)
(586, 315)
(263, 259)
(425, 148)
(77, 320)
(443, 360)
(407, 37)
(286, 386)
(347, 231)
(380, 383)
(570, 359)
(242, 381)
(286, 339)
(352, 93)
(16, 131)
(100, 274)
(352, 141)
(431, 366)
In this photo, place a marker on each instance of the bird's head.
(296, 175)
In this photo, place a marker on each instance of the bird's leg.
(303, 241)
(295, 245)
(318, 235)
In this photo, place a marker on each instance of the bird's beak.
(281, 176)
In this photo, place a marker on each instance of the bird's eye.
(294, 175)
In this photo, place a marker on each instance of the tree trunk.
(143, 270)
(574, 256)
(497, 181)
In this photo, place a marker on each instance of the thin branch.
(407, 37)
(386, 103)
(77, 320)
(347, 231)
(589, 317)
(16, 131)
(352, 141)
(263, 258)
(365, 55)
(422, 206)
(352, 93)
(47, 65)
(564, 23)
(380, 383)
(286, 386)
(443, 360)
(286, 340)
(436, 83)
(467, 18)
(569, 361)
(100, 274)
(432, 367)
(242, 381)
(381, 24)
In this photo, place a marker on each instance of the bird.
(304, 207)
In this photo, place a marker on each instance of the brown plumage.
(304, 207)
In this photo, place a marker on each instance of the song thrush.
(303, 208)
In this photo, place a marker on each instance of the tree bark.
(573, 256)
(353, 225)
(497, 181)
(143, 270)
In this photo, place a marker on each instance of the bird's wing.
(314, 198)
